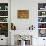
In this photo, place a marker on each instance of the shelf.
(41, 10)
(42, 16)
(3, 10)
(4, 19)
(42, 19)
(41, 22)
(3, 22)
(41, 28)
(3, 16)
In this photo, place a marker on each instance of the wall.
(23, 24)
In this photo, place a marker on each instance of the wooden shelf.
(41, 22)
(3, 10)
(3, 22)
(42, 16)
(3, 16)
(41, 10)
(41, 28)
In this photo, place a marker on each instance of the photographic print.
(23, 14)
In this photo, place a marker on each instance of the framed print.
(23, 14)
